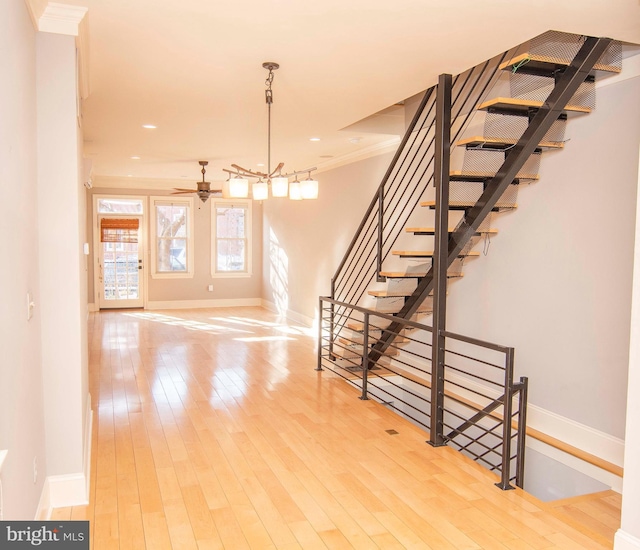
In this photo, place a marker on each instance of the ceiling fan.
(204, 190)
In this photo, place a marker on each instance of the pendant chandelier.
(272, 182)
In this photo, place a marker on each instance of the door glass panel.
(120, 206)
(120, 271)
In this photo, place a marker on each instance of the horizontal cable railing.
(484, 408)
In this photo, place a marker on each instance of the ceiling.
(194, 69)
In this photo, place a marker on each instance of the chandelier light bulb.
(309, 189)
(260, 191)
(238, 188)
(279, 187)
(295, 191)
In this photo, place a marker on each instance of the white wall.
(62, 304)
(304, 241)
(628, 536)
(21, 406)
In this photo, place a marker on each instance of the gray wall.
(304, 241)
(556, 283)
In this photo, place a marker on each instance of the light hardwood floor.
(213, 430)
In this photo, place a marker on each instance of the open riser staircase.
(475, 141)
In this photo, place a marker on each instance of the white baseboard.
(198, 304)
(583, 437)
(67, 490)
(70, 489)
(625, 541)
(290, 315)
(43, 513)
(88, 436)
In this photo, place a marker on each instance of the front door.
(120, 262)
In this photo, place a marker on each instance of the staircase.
(475, 141)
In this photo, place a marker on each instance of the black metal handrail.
(473, 422)
(484, 408)
(405, 182)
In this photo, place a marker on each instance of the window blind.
(119, 230)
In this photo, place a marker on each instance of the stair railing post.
(507, 417)
(365, 357)
(320, 326)
(440, 256)
(380, 234)
(332, 315)
(522, 430)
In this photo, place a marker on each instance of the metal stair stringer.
(566, 86)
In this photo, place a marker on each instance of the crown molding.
(116, 182)
(387, 146)
(56, 18)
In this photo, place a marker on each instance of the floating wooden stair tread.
(542, 63)
(358, 326)
(432, 231)
(503, 143)
(473, 175)
(523, 105)
(389, 294)
(462, 205)
(356, 348)
(427, 253)
(412, 274)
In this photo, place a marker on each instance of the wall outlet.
(35, 469)
(210, 288)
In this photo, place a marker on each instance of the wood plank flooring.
(213, 430)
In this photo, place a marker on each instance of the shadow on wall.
(278, 274)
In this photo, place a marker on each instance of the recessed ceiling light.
(260, 164)
(149, 126)
(314, 139)
(129, 175)
(135, 158)
(355, 140)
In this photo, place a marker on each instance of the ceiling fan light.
(279, 187)
(309, 189)
(295, 191)
(260, 191)
(238, 188)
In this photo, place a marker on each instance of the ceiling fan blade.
(182, 191)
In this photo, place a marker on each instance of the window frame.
(168, 201)
(240, 203)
